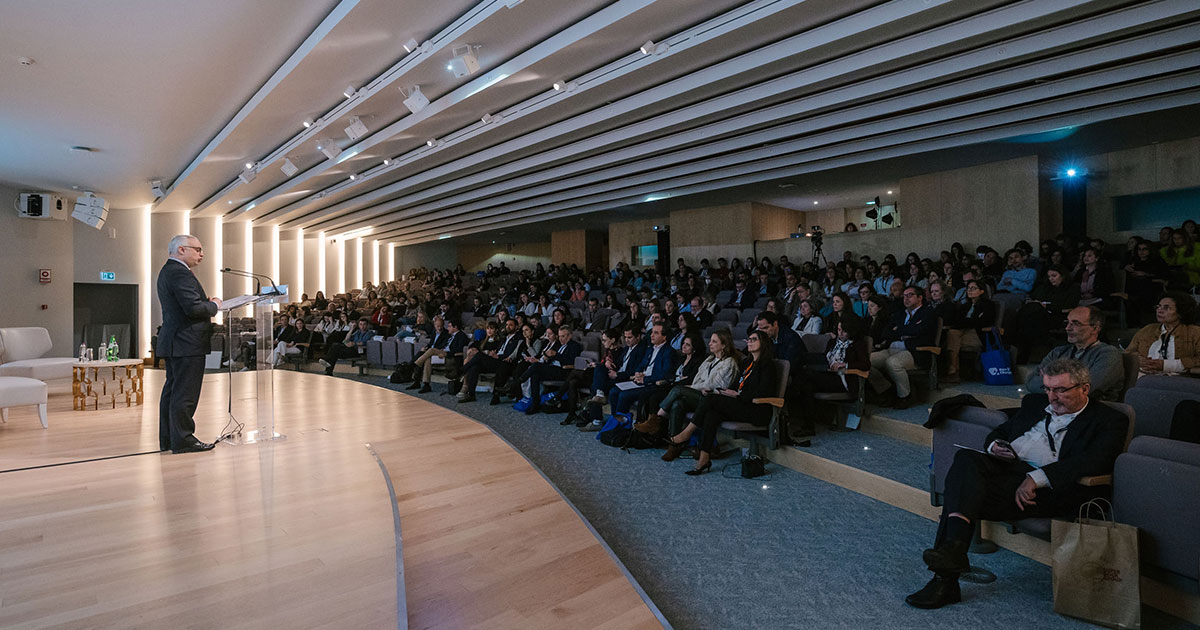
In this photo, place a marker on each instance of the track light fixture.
(411, 45)
(329, 148)
(156, 189)
(387, 161)
(414, 100)
(350, 91)
(433, 143)
(356, 129)
(565, 86)
(308, 122)
(650, 48)
(353, 176)
(464, 63)
(249, 164)
(492, 118)
(248, 174)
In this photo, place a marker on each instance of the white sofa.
(21, 354)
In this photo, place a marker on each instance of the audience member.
(913, 327)
(1103, 361)
(1171, 346)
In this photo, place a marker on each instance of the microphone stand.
(255, 276)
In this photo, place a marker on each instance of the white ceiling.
(745, 96)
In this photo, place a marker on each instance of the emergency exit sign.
(108, 276)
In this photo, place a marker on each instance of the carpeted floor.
(788, 551)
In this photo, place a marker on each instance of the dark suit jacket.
(636, 356)
(748, 298)
(789, 346)
(919, 331)
(1093, 441)
(565, 357)
(663, 367)
(186, 313)
(762, 382)
(455, 344)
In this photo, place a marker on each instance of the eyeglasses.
(1076, 324)
(754, 339)
(198, 249)
(1061, 390)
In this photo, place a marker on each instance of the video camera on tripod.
(818, 239)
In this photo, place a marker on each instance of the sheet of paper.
(624, 385)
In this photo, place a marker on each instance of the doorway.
(106, 310)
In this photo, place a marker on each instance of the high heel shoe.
(701, 470)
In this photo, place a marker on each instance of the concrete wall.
(521, 256)
(27, 245)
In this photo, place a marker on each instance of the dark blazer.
(1093, 441)
(636, 356)
(789, 346)
(919, 331)
(858, 355)
(455, 344)
(748, 298)
(565, 357)
(983, 317)
(663, 366)
(186, 313)
(761, 382)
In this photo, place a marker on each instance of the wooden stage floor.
(293, 534)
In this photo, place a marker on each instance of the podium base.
(254, 437)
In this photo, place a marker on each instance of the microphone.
(255, 276)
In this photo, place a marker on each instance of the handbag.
(1095, 569)
(995, 359)
(615, 422)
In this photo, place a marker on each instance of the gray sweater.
(1102, 361)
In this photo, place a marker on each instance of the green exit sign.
(108, 276)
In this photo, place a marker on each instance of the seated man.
(742, 298)
(454, 342)
(295, 340)
(354, 346)
(622, 368)
(657, 365)
(489, 361)
(557, 360)
(788, 344)
(1102, 360)
(1031, 469)
(593, 319)
(908, 329)
(704, 317)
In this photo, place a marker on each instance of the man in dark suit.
(624, 365)
(788, 344)
(554, 365)
(742, 297)
(491, 362)
(656, 365)
(913, 327)
(185, 338)
(1031, 468)
(449, 346)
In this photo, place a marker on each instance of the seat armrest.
(932, 349)
(859, 373)
(1096, 480)
(774, 402)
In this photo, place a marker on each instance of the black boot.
(425, 389)
(940, 591)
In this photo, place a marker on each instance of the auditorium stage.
(379, 510)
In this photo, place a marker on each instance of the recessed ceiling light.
(889, 192)
(230, 202)
(25, 61)
(816, 202)
(82, 149)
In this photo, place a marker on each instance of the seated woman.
(1172, 345)
(490, 341)
(847, 351)
(807, 321)
(1095, 279)
(1044, 311)
(1145, 277)
(1183, 259)
(687, 327)
(757, 378)
(865, 291)
(842, 309)
(968, 327)
(714, 373)
(610, 355)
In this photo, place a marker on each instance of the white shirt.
(1171, 365)
(1034, 446)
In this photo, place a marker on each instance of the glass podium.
(264, 369)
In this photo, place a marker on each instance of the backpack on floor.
(617, 422)
(552, 402)
(403, 373)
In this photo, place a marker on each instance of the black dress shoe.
(194, 446)
(425, 389)
(495, 400)
(468, 398)
(949, 557)
(414, 385)
(940, 591)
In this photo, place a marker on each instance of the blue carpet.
(789, 551)
(887, 457)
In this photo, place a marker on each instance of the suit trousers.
(425, 362)
(980, 486)
(180, 394)
(895, 364)
(539, 372)
(957, 340)
(340, 351)
(621, 401)
(481, 364)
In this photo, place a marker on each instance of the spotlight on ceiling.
(387, 161)
(308, 122)
(650, 48)
(288, 167)
(1071, 172)
(329, 148)
(565, 86)
(249, 164)
(464, 63)
(350, 91)
(411, 45)
(156, 189)
(492, 118)
(433, 143)
(353, 177)
(356, 129)
(414, 100)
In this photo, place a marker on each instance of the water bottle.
(113, 353)
(82, 352)
(102, 353)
